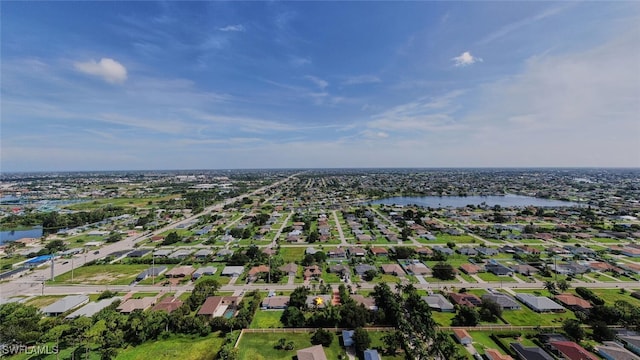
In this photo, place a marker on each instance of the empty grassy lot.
(526, 316)
(102, 275)
(176, 347)
(261, 346)
(264, 319)
(292, 254)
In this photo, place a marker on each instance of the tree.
(563, 285)
(444, 271)
(292, 317)
(322, 337)
(602, 332)
(114, 236)
(171, 238)
(392, 341)
(298, 297)
(369, 275)
(320, 257)
(573, 328)
(55, 246)
(466, 316)
(361, 340)
(403, 252)
(490, 310)
(201, 292)
(550, 286)
(19, 323)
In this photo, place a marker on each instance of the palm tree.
(550, 286)
(563, 285)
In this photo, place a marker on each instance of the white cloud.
(465, 59)
(236, 28)
(322, 84)
(361, 79)
(108, 69)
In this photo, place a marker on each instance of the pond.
(11, 235)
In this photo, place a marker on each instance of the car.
(65, 263)
(96, 252)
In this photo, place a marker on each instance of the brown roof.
(258, 269)
(573, 351)
(392, 269)
(461, 333)
(290, 267)
(470, 268)
(494, 354)
(572, 300)
(379, 250)
(424, 251)
(465, 299)
(213, 302)
(169, 304)
(312, 353)
(368, 302)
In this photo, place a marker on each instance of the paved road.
(88, 289)
(32, 281)
(343, 240)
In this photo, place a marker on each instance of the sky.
(224, 85)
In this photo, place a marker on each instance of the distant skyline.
(225, 85)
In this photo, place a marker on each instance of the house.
(131, 305)
(216, 306)
(505, 301)
(462, 336)
(361, 269)
(65, 304)
(180, 254)
(493, 354)
(486, 251)
(337, 253)
(205, 270)
(465, 299)
(539, 303)
(203, 254)
(312, 353)
(611, 350)
(341, 270)
(347, 337)
(469, 251)
(444, 250)
(371, 354)
(275, 302)
(571, 351)
(379, 251)
(470, 269)
(392, 269)
(180, 272)
(631, 342)
(425, 251)
(232, 271)
(498, 269)
(224, 252)
(312, 271)
(254, 272)
(138, 253)
(93, 308)
(524, 269)
(367, 302)
(318, 301)
(439, 303)
(153, 271)
(161, 253)
(290, 269)
(363, 237)
(415, 267)
(311, 251)
(356, 251)
(530, 353)
(573, 302)
(168, 304)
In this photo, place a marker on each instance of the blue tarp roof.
(39, 259)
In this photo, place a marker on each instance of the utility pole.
(153, 269)
(72, 257)
(52, 266)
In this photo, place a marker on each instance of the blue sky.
(197, 85)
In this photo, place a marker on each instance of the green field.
(264, 319)
(176, 347)
(102, 275)
(526, 316)
(292, 254)
(42, 301)
(128, 202)
(261, 346)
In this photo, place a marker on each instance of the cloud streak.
(465, 59)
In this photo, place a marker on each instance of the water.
(462, 201)
(11, 235)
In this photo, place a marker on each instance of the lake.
(462, 201)
(11, 235)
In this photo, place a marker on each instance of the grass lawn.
(292, 254)
(42, 301)
(467, 277)
(487, 276)
(116, 274)
(260, 346)
(378, 344)
(482, 341)
(264, 319)
(176, 347)
(526, 316)
(610, 296)
(443, 318)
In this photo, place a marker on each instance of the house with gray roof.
(530, 353)
(361, 269)
(162, 252)
(203, 253)
(232, 270)
(611, 350)
(181, 254)
(505, 301)
(93, 308)
(444, 250)
(498, 269)
(539, 303)
(151, 272)
(371, 354)
(65, 304)
(439, 303)
(205, 270)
